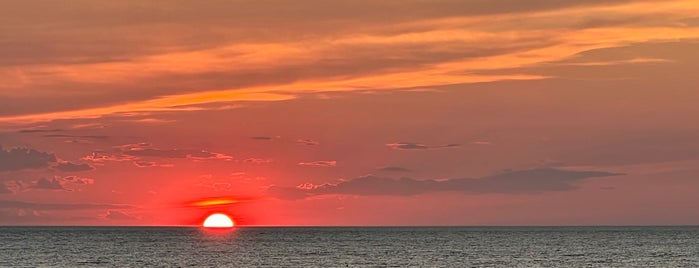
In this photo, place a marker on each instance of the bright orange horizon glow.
(218, 220)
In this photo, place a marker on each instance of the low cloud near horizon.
(512, 182)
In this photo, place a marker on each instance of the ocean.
(350, 247)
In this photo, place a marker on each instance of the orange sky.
(349, 112)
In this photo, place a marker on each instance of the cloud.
(418, 146)
(94, 137)
(101, 157)
(259, 160)
(49, 184)
(144, 164)
(4, 204)
(149, 120)
(514, 182)
(307, 142)
(319, 164)
(72, 167)
(40, 130)
(61, 183)
(394, 169)
(405, 45)
(262, 138)
(174, 153)
(23, 158)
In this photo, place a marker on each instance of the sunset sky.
(363, 112)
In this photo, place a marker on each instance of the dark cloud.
(319, 164)
(72, 167)
(49, 184)
(24, 158)
(61, 184)
(263, 138)
(523, 181)
(4, 204)
(394, 169)
(418, 146)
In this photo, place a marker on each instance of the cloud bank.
(523, 181)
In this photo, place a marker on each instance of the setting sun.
(218, 220)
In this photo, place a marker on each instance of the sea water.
(350, 247)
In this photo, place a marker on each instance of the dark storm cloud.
(418, 146)
(523, 181)
(72, 167)
(24, 158)
(4, 204)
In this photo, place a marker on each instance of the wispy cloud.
(440, 46)
(307, 142)
(319, 163)
(418, 146)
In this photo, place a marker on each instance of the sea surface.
(350, 247)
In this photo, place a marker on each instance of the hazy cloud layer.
(521, 181)
(24, 158)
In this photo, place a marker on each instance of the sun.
(218, 220)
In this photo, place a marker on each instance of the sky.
(315, 112)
